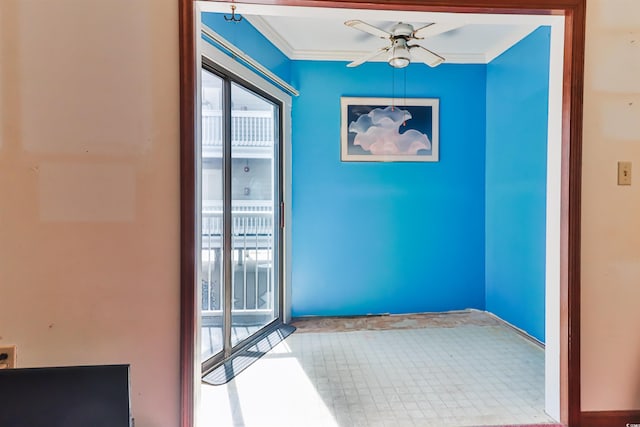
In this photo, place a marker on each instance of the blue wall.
(244, 36)
(517, 100)
(414, 237)
(387, 237)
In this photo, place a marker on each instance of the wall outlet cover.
(8, 357)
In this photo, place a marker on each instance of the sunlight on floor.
(274, 392)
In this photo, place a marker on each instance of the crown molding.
(344, 55)
(463, 58)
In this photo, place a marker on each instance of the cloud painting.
(378, 132)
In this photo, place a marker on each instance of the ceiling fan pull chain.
(393, 89)
(404, 98)
(404, 75)
(404, 70)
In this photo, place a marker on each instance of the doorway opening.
(567, 172)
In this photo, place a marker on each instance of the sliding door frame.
(229, 78)
(571, 175)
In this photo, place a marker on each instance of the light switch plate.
(624, 173)
(8, 357)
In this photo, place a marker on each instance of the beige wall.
(89, 226)
(611, 213)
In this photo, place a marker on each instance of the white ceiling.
(320, 34)
(330, 39)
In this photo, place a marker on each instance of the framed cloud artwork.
(389, 129)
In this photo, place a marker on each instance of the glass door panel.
(211, 273)
(254, 207)
(239, 176)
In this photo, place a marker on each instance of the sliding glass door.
(240, 214)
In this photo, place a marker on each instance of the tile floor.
(463, 375)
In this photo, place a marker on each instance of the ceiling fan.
(400, 51)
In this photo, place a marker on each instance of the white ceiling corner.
(518, 33)
(272, 35)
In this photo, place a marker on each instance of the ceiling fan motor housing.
(402, 30)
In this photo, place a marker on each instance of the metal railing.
(248, 128)
(252, 249)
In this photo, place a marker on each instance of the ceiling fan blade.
(431, 30)
(419, 53)
(368, 28)
(368, 57)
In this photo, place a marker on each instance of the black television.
(70, 396)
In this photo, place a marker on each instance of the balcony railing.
(252, 249)
(248, 128)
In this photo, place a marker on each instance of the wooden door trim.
(610, 418)
(188, 301)
(571, 181)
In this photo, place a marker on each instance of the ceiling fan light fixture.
(399, 56)
(398, 62)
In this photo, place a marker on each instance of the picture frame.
(389, 129)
